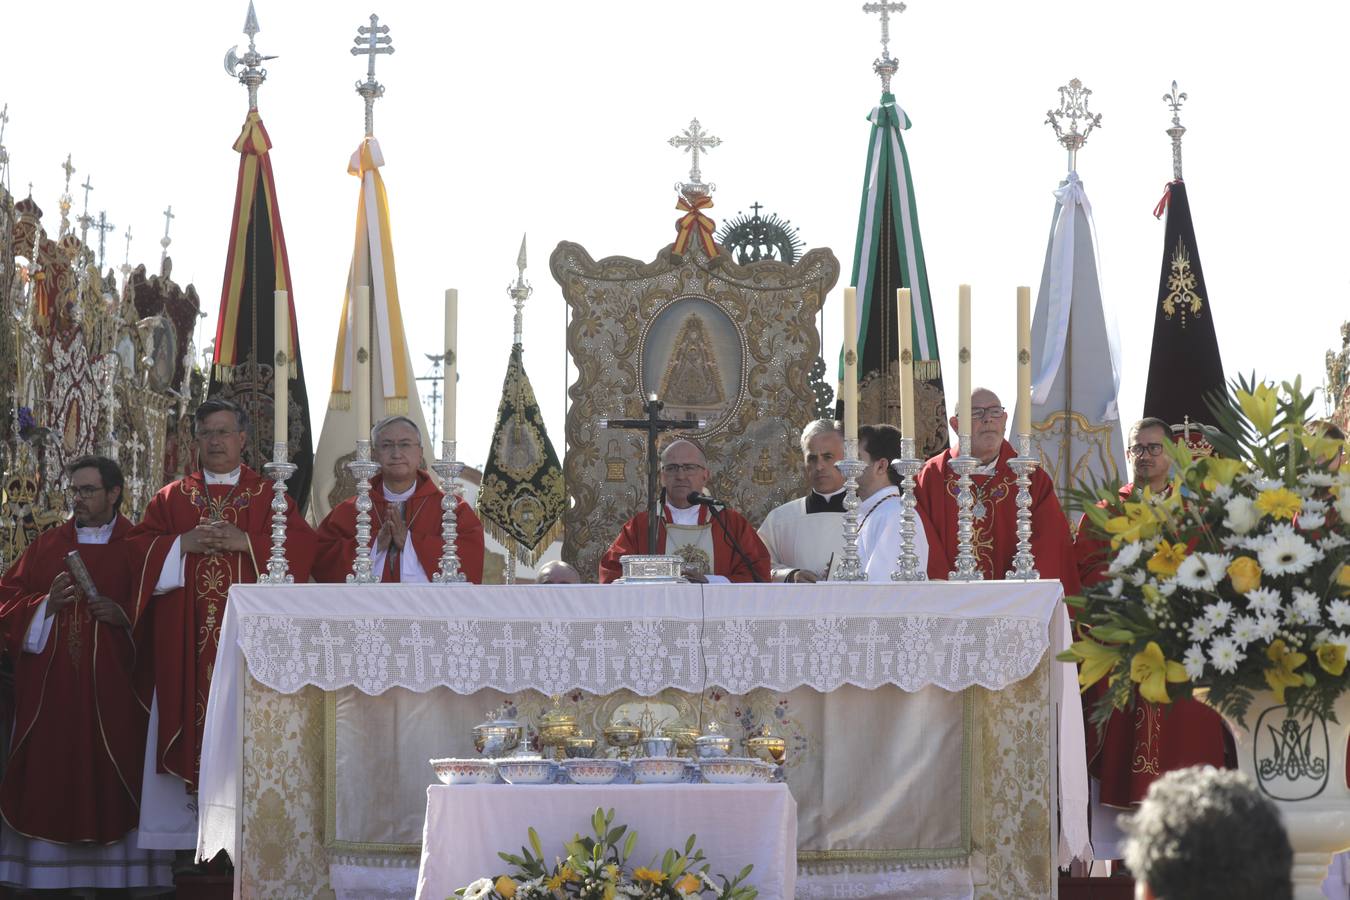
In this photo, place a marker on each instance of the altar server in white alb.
(879, 509)
(805, 536)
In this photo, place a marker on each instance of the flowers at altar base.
(1237, 580)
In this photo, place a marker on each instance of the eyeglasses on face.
(980, 413)
(84, 491)
(1150, 449)
(216, 434)
(404, 447)
(681, 468)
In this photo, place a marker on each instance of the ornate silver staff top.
(85, 220)
(165, 241)
(1073, 106)
(885, 65)
(1175, 100)
(103, 226)
(372, 41)
(520, 292)
(252, 73)
(694, 140)
(65, 197)
(126, 260)
(4, 154)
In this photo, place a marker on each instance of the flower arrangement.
(1237, 579)
(596, 868)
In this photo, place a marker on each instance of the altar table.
(736, 825)
(328, 700)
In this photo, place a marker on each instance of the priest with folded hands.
(405, 518)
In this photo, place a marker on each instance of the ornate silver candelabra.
(967, 566)
(907, 567)
(1024, 564)
(448, 468)
(279, 469)
(363, 469)
(850, 566)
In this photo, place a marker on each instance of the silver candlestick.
(363, 469)
(448, 468)
(1024, 563)
(967, 566)
(279, 469)
(907, 567)
(850, 566)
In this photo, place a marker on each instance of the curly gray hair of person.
(1206, 833)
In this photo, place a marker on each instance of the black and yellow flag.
(522, 498)
(1184, 367)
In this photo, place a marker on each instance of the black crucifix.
(653, 425)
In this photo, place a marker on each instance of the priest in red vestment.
(71, 790)
(405, 518)
(717, 545)
(995, 490)
(200, 535)
(1140, 744)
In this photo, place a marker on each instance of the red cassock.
(186, 620)
(995, 533)
(726, 561)
(422, 515)
(74, 768)
(1139, 744)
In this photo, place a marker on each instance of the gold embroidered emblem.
(694, 558)
(1181, 297)
(764, 474)
(616, 467)
(1145, 760)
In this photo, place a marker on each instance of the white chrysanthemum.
(1201, 628)
(1339, 612)
(1264, 601)
(1203, 571)
(1332, 540)
(1311, 521)
(1125, 558)
(1286, 553)
(1244, 630)
(1221, 492)
(1267, 627)
(1314, 506)
(1242, 515)
(1194, 661)
(1116, 588)
(1260, 482)
(1217, 613)
(1307, 607)
(1225, 655)
(479, 889)
(1167, 588)
(1317, 479)
(1343, 504)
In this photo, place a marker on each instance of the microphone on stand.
(695, 498)
(715, 508)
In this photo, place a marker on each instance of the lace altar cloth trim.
(602, 639)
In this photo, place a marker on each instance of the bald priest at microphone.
(716, 543)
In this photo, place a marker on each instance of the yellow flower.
(1245, 574)
(1281, 675)
(1220, 471)
(611, 872)
(570, 874)
(554, 882)
(607, 893)
(688, 884)
(1138, 522)
(1260, 406)
(1331, 657)
(1151, 671)
(1167, 559)
(505, 886)
(1280, 503)
(1098, 660)
(651, 875)
(1343, 576)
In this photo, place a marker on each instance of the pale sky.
(552, 119)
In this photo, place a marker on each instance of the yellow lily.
(1281, 675)
(1331, 657)
(1151, 671)
(1280, 503)
(505, 886)
(653, 876)
(1167, 559)
(1138, 522)
(1097, 658)
(1260, 406)
(1245, 574)
(1221, 471)
(1343, 576)
(688, 884)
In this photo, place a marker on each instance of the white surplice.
(800, 540)
(879, 534)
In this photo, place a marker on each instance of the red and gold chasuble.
(186, 620)
(694, 543)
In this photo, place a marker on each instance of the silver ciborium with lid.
(500, 734)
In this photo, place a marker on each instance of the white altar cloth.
(645, 638)
(736, 825)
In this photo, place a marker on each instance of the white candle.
(362, 374)
(963, 359)
(850, 364)
(1024, 360)
(281, 341)
(451, 360)
(905, 315)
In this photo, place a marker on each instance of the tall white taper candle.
(905, 316)
(963, 359)
(362, 375)
(451, 360)
(281, 360)
(850, 364)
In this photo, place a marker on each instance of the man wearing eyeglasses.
(717, 545)
(200, 535)
(73, 774)
(805, 536)
(994, 485)
(1135, 748)
(405, 517)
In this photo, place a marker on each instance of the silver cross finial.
(1174, 100)
(65, 196)
(4, 154)
(520, 292)
(126, 259)
(103, 226)
(84, 219)
(69, 170)
(694, 140)
(885, 65)
(372, 41)
(1073, 106)
(165, 241)
(252, 74)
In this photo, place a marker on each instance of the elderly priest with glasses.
(717, 544)
(405, 518)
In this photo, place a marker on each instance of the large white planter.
(1299, 763)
